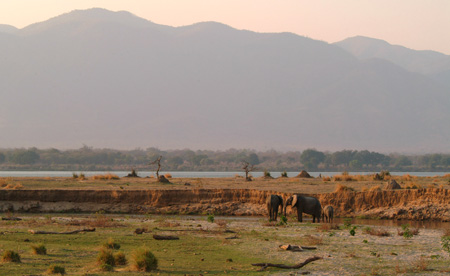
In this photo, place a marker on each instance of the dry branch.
(64, 233)
(300, 265)
(159, 237)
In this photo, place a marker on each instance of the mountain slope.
(431, 63)
(110, 79)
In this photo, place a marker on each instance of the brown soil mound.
(303, 174)
(392, 185)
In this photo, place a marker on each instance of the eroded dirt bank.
(421, 204)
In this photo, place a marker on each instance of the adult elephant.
(327, 213)
(273, 203)
(305, 204)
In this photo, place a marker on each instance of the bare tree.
(247, 167)
(157, 161)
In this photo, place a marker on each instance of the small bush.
(106, 267)
(326, 178)
(168, 175)
(353, 231)
(406, 232)
(110, 244)
(39, 249)
(210, 218)
(55, 269)
(341, 188)
(10, 256)
(284, 174)
(120, 259)
(267, 173)
(376, 232)
(74, 175)
(108, 176)
(445, 243)
(144, 260)
(105, 256)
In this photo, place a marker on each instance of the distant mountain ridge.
(111, 79)
(431, 63)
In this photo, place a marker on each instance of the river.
(191, 174)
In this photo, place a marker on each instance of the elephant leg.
(299, 215)
(275, 215)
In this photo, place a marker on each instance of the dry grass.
(326, 178)
(342, 188)
(108, 176)
(412, 185)
(168, 224)
(221, 222)
(168, 175)
(343, 177)
(325, 227)
(446, 232)
(375, 188)
(313, 240)
(376, 232)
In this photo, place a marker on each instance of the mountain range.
(111, 79)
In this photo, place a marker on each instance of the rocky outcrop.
(418, 204)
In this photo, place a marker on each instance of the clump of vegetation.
(120, 259)
(108, 176)
(144, 260)
(342, 188)
(326, 178)
(406, 232)
(445, 243)
(167, 175)
(376, 232)
(106, 267)
(10, 256)
(105, 256)
(353, 231)
(110, 244)
(210, 218)
(56, 269)
(283, 221)
(267, 174)
(284, 174)
(39, 249)
(222, 223)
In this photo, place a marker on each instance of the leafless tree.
(157, 161)
(247, 167)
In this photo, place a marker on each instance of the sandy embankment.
(418, 204)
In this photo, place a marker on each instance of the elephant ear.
(294, 200)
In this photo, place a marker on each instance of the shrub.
(55, 269)
(210, 218)
(39, 249)
(406, 232)
(11, 256)
(326, 178)
(267, 173)
(120, 259)
(376, 232)
(110, 244)
(168, 175)
(108, 176)
(74, 175)
(144, 260)
(352, 231)
(342, 188)
(445, 243)
(284, 174)
(105, 256)
(106, 267)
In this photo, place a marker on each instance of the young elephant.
(273, 202)
(327, 213)
(305, 204)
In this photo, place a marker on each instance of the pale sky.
(416, 24)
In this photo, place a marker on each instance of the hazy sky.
(416, 24)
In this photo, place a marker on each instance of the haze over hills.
(431, 63)
(111, 79)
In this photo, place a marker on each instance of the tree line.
(88, 158)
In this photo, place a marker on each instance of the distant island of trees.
(91, 159)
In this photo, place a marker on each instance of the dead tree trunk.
(247, 168)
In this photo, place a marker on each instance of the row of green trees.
(87, 158)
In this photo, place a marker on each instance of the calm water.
(189, 174)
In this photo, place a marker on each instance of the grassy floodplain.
(210, 248)
(227, 246)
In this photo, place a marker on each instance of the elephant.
(305, 204)
(327, 213)
(273, 202)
